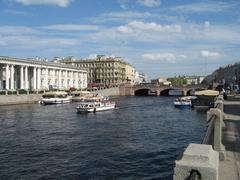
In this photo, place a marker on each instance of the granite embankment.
(34, 98)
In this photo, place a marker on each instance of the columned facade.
(25, 74)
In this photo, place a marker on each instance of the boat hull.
(96, 109)
(55, 101)
(183, 104)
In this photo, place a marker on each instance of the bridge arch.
(142, 92)
(165, 92)
(172, 92)
(190, 92)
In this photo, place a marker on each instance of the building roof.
(37, 62)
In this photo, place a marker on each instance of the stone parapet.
(198, 157)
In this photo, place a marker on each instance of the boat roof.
(80, 92)
(93, 97)
(90, 102)
(56, 93)
(207, 93)
(188, 97)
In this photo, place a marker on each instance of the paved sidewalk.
(229, 169)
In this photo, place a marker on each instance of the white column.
(12, 77)
(34, 78)
(53, 77)
(76, 80)
(1, 77)
(66, 79)
(7, 77)
(21, 78)
(46, 79)
(26, 78)
(81, 79)
(38, 78)
(84, 80)
(60, 79)
(71, 79)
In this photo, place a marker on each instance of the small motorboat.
(58, 97)
(184, 102)
(96, 106)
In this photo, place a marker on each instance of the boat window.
(62, 96)
(48, 96)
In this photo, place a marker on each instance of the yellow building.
(105, 70)
(130, 73)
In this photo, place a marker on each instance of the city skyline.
(159, 38)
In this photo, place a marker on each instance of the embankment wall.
(19, 99)
(34, 98)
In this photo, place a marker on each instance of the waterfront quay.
(218, 157)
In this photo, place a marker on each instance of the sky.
(161, 38)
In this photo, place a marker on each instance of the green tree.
(178, 81)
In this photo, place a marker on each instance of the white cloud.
(17, 30)
(91, 56)
(28, 37)
(142, 26)
(71, 27)
(164, 57)
(207, 24)
(17, 13)
(182, 56)
(61, 3)
(127, 16)
(211, 6)
(209, 54)
(36, 42)
(123, 3)
(149, 3)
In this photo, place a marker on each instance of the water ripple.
(139, 140)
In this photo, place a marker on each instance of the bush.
(22, 91)
(2, 92)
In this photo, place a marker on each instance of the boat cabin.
(55, 95)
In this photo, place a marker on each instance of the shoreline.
(16, 99)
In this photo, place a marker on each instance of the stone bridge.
(154, 89)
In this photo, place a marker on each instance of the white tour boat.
(95, 106)
(57, 97)
(184, 102)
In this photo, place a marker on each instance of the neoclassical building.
(31, 74)
(104, 70)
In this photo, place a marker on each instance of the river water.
(139, 140)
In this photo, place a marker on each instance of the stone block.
(199, 157)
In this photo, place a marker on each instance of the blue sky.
(158, 37)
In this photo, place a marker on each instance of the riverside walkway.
(218, 158)
(229, 169)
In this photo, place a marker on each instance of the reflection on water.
(139, 140)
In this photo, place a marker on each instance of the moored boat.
(184, 102)
(205, 99)
(80, 95)
(57, 97)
